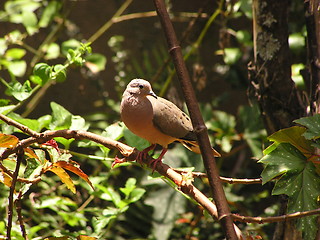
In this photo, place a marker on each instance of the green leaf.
(114, 131)
(296, 75)
(43, 71)
(299, 181)
(70, 44)
(96, 62)
(15, 53)
(49, 12)
(17, 68)
(52, 51)
(135, 141)
(21, 92)
(60, 74)
(231, 55)
(3, 46)
(30, 21)
(33, 168)
(285, 158)
(303, 188)
(313, 126)
(61, 118)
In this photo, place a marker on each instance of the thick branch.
(197, 121)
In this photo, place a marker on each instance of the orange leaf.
(8, 141)
(76, 170)
(63, 175)
(57, 238)
(5, 178)
(31, 154)
(83, 237)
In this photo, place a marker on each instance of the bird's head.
(141, 88)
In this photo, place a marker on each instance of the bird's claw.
(117, 161)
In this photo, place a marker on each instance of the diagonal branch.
(200, 129)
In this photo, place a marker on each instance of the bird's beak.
(151, 93)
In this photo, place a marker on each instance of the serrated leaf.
(76, 170)
(312, 124)
(8, 141)
(285, 158)
(303, 188)
(294, 136)
(64, 177)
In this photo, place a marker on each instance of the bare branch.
(281, 218)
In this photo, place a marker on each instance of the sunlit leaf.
(5, 179)
(43, 71)
(76, 170)
(48, 13)
(17, 68)
(284, 158)
(8, 141)
(63, 175)
(294, 136)
(31, 154)
(15, 53)
(96, 62)
(57, 238)
(83, 237)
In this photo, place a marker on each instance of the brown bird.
(156, 119)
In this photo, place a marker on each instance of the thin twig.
(20, 154)
(109, 23)
(20, 217)
(224, 179)
(281, 218)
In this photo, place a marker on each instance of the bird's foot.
(154, 162)
(144, 153)
(117, 161)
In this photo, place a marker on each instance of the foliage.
(66, 187)
(293, 160)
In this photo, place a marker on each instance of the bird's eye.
(140, 86)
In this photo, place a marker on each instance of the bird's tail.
(194, 147)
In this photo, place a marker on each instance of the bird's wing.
(170, 120)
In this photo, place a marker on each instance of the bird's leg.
(154, 162)
(143, 154)
(117, 161)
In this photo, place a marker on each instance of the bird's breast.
(138, 117)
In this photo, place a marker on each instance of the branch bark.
(313, 46)
(199, 127)
(270, 72)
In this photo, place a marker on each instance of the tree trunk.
(270, 73)
(271, 83)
